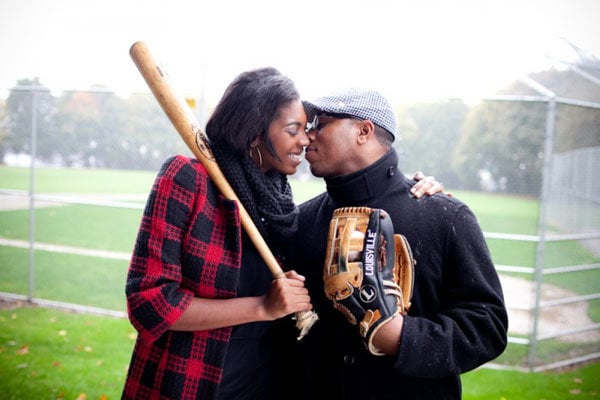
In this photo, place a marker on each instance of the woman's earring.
(259, 155)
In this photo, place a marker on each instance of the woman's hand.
(426, 185)
(286, 296)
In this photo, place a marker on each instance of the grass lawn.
(89, 281)
(53, 354)
(99, 347)
(576, 383)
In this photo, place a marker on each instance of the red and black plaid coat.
(188, 245)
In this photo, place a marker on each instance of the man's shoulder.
(314, 203)
(441, 200)
(443, 210)
(312, 212)
(437, 209)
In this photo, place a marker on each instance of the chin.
(316, 172)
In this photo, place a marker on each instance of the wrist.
(261, 309)
(385, 340)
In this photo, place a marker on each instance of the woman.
(198, 292)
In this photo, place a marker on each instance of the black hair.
(383, 136)
(248, 106)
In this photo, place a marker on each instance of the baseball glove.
(368, 271)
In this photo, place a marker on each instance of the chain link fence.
(555, 311)
(78, 168)
(80, 164)
(569, 284)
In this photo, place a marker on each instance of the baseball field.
(81, 257)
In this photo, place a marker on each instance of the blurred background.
(499, 100)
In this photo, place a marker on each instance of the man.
(457, 320)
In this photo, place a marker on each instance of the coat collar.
(360, 187)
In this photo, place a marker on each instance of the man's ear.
(367, 130)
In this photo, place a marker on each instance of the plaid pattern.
(360, 103)
(188, 245)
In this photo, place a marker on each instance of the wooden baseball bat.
(186, 124)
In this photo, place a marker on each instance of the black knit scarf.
(267, 197)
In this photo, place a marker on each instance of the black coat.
(457, 320)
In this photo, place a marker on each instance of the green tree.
(79, 118)
(428, 134)
(100, 129)
(148, 133)
(504, 139)
(18, 124)
(576, 127)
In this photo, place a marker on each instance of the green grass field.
(43, 352)
(53, 354)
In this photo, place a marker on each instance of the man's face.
(333, 143)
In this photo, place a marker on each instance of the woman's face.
(287, 133)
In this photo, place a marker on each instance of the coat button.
(349, 359)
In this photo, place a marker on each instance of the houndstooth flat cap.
(360, 103)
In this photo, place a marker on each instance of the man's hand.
(369, 271)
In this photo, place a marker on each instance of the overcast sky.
(411, 50)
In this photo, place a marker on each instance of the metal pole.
(544, 196)
(34, 119)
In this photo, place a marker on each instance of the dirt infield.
(19, 202)
(7, 304)
(520, 293)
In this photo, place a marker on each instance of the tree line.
(95, 128)
(499, 143)
(493, 145)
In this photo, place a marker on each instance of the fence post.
(542, 221)
(34, 120)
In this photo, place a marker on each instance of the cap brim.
(310, 109)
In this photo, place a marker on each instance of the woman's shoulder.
(179, 161)
(185, 172)
(181, 164)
